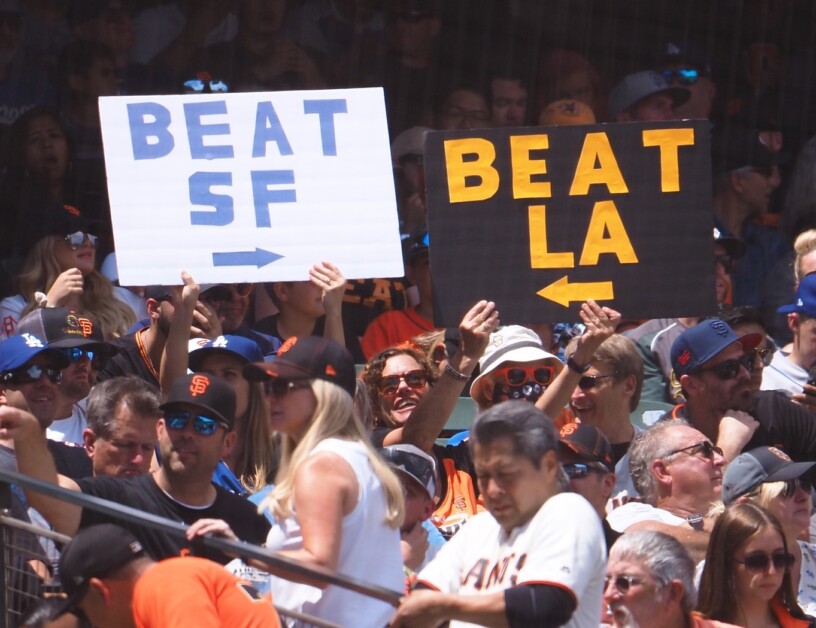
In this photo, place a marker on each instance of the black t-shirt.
(269, 326)
(71, 461)
(128, 361)
(782, 424)
(143, 493)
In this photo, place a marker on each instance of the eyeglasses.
(706, 448)
(588, 382)
(518, 375)
(684, 76)
(33, 373)
(759, 561)
(389, 384)
(578, 470)
(281, 387)
(178, 420)
(766, 355)
(731, 368)
(622, 582)
(791, 485)
(77, 239)
(726, 261)
(197, 86)
(75, 354)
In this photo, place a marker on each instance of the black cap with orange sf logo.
(207, 394)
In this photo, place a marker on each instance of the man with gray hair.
(678, 472)
(535, 558)
(649, 582)
(121, 435)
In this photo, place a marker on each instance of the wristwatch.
(578, 368)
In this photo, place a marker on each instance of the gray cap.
(635, 87)
(758, 466)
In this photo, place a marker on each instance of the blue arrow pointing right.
(257, 258)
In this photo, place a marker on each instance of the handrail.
(234, 548)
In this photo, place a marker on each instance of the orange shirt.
(198, 592)
(392, 328)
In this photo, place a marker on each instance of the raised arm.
(431, 413)
(330, 280)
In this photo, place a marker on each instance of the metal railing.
(20, 585)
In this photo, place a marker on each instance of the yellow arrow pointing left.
(563, 292)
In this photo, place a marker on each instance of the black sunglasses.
(759, 561)
(75, 354)
(415, 379)
(578, 470)
(588, 382)
(281, 387)
(731, 368)
(706, 448)
(790, 486)
(33, 373)
(622, 582)
(684, 76)
(204, 425)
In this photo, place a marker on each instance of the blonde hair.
(804, 244)
(334, 417)
(41, 270)
(257, 462)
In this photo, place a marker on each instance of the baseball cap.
(741, 148)
(204, 392)
(159, 292)
(758, 466)
(54, 219)
(688, 52)
(700, 343)
(805, 298)
(22, 348)
(512, 343)
(413, 463)
(564, 112)
(245, 349)
(409, 142)
(94, 552)
(588, 443)
(635, 87)
(733, 246)
(308, 357)
(60, 327)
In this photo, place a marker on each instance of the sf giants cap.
(414, 463)
(700, 343)
(59, 327)
(588, 443)
(758, 466)
(309, 357)
(212, 396)
(95, 552)
(21, 348)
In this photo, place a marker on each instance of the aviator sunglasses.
(203, 425)
(758, 562)
(75, 354)
(77, 239)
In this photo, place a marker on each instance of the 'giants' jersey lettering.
(497, 573)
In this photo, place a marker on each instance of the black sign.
(541, 219)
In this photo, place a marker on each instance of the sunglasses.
(197, 86)
(205, 426)
(33, 373)
(684, 76)
(726, 261)
(77, 239)
(731, 368)
(578, 470)
(588, 382)
(518, 375)
(759, 561)
(706, 448)
(389, 384)
(281, 387)
(791, 485)
(766, 355)
(75, 354)
(622, 583)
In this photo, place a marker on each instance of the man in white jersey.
(537, 557)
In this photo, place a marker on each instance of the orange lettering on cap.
(568, 429)
(330, 370)
(199, 385)
(86, 325)
(287, 344)
(72, 210)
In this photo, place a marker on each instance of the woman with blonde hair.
(60, 271)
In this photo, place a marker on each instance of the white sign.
(250, 187)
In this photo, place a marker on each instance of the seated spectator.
(678, 473)
(746, 579)
(767, 477)
(61, 265)
(463, 107)
(123, 586)
(479, 572)
(121, 434)
(650, 582)
(508, 95)
(683, 64)
(396, 326)
(81, 341)
(645, 96)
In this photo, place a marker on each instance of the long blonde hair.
(256, 465)
(334, 417)
(41, 270)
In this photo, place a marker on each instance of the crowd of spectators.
(609, 455)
